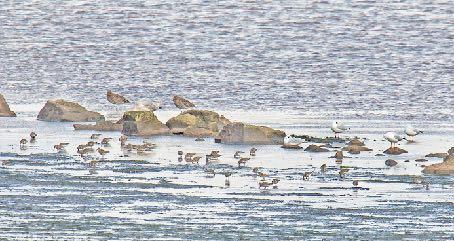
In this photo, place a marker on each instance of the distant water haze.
(341, 59)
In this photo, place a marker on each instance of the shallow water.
(60, 196)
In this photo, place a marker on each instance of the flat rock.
(62, 110)
(355, 142)
(390, 163)
(444, 168)
(101, 126)
(5, 111)
(438, 154)
(241, 133)
(315, 148)
(395, 151)
(194, 120)
(320, 139)
(355, 149)
(143, 123)
(289, 146)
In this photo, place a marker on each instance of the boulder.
(197, 132)
(5, 111)
(241, 133)
(211, 121)
(143, 123)
(315, 148)
(355, 149)
(182, 103)
(438, 154)
(62, 110)
(444, 168)
(355, 142)
(390, 163)
(101, 126)
(395, 151)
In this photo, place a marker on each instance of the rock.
(241, 133)
(5, 111)
(379, 154)
(339, 155)
(438, 154)
(101, 126)
(421, 160)
(355, 149)
(289, 146)
(61, 110)
(197, 132)
(143, 123)
(451, 151)
(355, 142)
(315, 148)
(115, 98)
(196, 120)
(444, 168)
(395, 151)
(390, 163)
(320, 139)
(182, 103)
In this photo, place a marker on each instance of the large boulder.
(191, 122)
(101, 126)
(62, 110)
(395, 151)
(444, 168)
(241, 133)
(5, 111)
(142, 123)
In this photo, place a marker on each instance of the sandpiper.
(102, 152)
(263, 175)
(252, 151)
(23, 142)
(33, 136)
(323, 168)
(243, 161)
(343, 172)
(105, 141)
(95, 136)
(306, 175)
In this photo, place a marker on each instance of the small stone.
(390, 163)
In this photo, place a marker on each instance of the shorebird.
(263, 175)
(188, 157)
(291, 140)
(343, 172)
(115, 98)
(393, 138)
(102, 152)
(210, 172)
(255, 170)
(227, 178)
(338, 128)
(215, 155)
(182, 103)
(306, 175)
(243, 161)
(266, 184)
(123, 139)
(33, 136)
(23, 142)
(355, 183)
(180, 153)
(105, 141)
(323, 168)
(147, 105)
(237, 154)
(91, 143)
(252, 151)
(84, 151)
(59, 147)
(95, 136)
(411, 131)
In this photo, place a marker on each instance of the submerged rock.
(143, 123)
(315, 148)
(182, 103)
(444, 168)
(241, 133)
(438, 154)
(390, 163)
(5, 111)
(191, 123)
(395, 151)
(101, 126)
(62, 110)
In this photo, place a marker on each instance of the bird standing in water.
(393, 138)
(33, 136)
(412, 132)
(338, 128)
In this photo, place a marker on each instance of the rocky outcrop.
(192, 121)
(438, 154)
(62, 110)
(143, 123)
(395, 151)
(444, 168)
(390, 163)
(5, 111)
(182, 103)
(101, 126)
(315, 148)
(241, 133)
